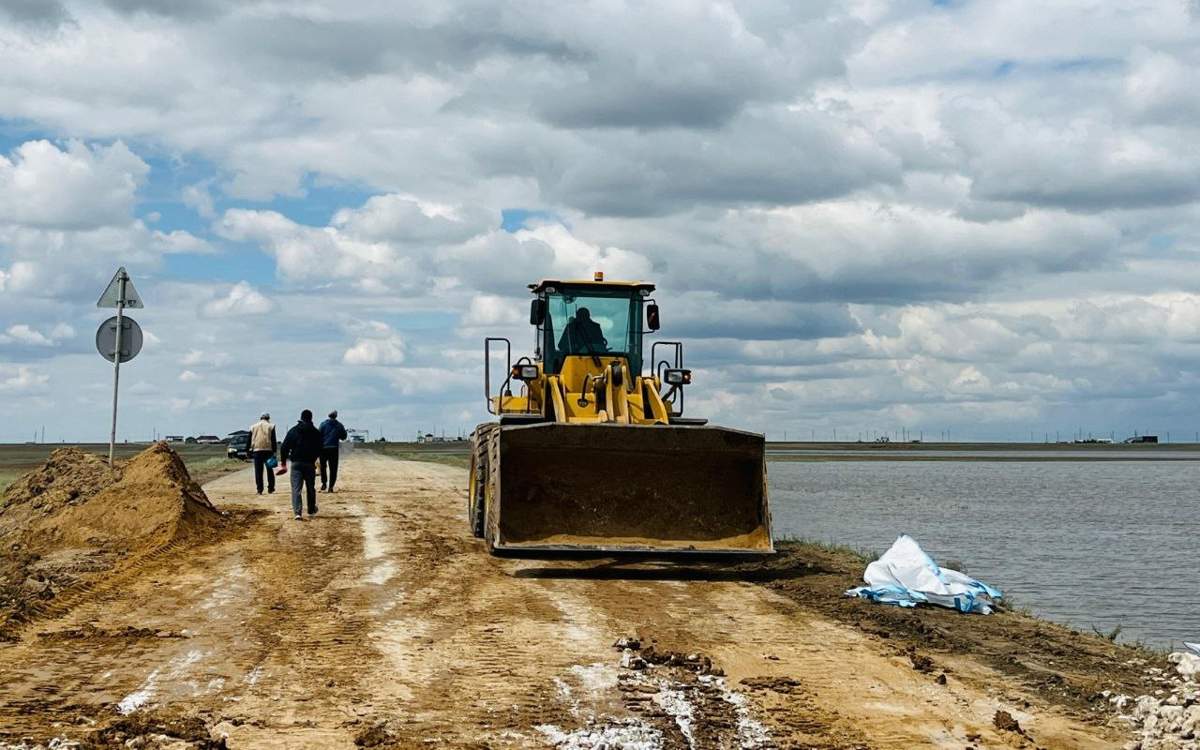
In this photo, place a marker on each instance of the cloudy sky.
(981, 217)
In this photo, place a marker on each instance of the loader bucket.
(629, 488)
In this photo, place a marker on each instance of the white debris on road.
(676, 704)
(751, 733)
(1169, 719)
(58, 743)
(176, 668)
(626, 735)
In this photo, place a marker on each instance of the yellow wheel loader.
(591, 451)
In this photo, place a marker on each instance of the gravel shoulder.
(380, 623)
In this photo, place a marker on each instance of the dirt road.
(381, 622)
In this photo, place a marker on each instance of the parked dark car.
(239, 444)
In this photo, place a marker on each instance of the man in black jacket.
(303, 446)
(332, 433)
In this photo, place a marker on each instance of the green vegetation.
(800, 546)
(450, 454)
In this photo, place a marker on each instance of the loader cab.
(589, 320)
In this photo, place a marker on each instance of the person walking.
(262, 446)
(332, 433)
(302, 445)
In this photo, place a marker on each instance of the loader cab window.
(592, 322)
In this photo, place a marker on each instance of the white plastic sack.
(906, 576)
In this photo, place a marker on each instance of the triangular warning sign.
(112, 295)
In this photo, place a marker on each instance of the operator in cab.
(582, 335)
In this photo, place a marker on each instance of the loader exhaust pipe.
(629, 488)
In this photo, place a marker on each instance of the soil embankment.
(380, 623)
(75, 522)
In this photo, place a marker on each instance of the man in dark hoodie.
(303, 446)
(332, 433)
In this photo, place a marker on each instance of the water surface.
(1088, 543)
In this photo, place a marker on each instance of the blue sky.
(863, 217)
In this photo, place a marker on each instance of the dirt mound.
(70, 475)
(75, 518)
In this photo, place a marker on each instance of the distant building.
(208, 440)
(1142, 439)
(174, 438)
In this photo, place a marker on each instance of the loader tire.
(477, 490)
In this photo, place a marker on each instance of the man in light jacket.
(262, 446)
(332, 433)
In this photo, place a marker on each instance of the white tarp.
(906, 576)
(1193, 646)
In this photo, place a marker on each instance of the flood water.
(1088, 543)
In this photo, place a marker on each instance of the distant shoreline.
(940, 446)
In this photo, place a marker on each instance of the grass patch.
(457, 455)
(204, 469)
(7, 477)
(800, 545)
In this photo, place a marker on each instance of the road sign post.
(119, 294)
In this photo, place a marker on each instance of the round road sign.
(131, 338)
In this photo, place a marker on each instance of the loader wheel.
(476, 498)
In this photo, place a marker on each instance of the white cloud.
(242, 299)
(489, 310)
(376, 351)
(198, 198)
(75, 187)
(23, 334)
(62, 331)
(963, 214)
(308, 254)
(21, 379)
(188, 376)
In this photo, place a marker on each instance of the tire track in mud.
(91, 673)
(460, 675)
(92, 588)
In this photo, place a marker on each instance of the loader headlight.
(677, 377)
(525, 372)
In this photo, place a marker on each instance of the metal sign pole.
(112, 439)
